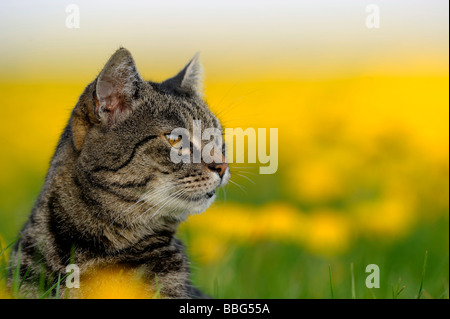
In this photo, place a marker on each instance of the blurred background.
(362, 116)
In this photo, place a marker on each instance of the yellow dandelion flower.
(114, 282)
(229, 221)
(317, 180)
(281, 221)
(328, 233)
(388, 218)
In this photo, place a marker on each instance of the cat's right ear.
(109, 98)
(115, 87)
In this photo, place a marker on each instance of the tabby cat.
(112, 195)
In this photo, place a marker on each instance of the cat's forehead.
(178, 110)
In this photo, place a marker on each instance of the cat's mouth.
(208, 195)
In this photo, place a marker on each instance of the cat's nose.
(220, 168)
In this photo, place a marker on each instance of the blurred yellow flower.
(113, 282)
(317, 180)
(323, 232)
(389, 218)
(329, 233)
(281, 222)
(4, 294)
(229, 221)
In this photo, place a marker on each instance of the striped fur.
(112, 196)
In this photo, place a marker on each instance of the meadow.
(362, 179)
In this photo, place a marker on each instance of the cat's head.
(122, 130)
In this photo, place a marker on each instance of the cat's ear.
(115, 87)
(188, 81)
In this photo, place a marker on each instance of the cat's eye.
(174, 140)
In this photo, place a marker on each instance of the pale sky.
(305, 38)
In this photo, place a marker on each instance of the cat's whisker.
(232, 166)
(180, 192)
(242, 188)
(175, 208)
(242, 172)
(129, 211)
(149, 194)
(137, 202)
(223, 190)
(223, 98)
(247, 178)
(175, 196)
(156, 193)
(230, 106)
(178, 197)
(159, 200)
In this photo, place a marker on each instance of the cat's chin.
(196, 207)
(184, 207)
(199, 207)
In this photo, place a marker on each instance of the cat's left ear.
(116, 85)
(188, 81)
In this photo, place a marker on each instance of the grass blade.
(423, 275)
(54, 286)
(331, 282)
(397, 289)
(157, 294)
(353, 281)
(57, 287)
(10, 244)
(216, 288)
(24, 276)
(16, 274)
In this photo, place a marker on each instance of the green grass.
(331, 282)
(353, 281)
(17, 281)
(419, 295)
(274, 270)
(416, 267)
